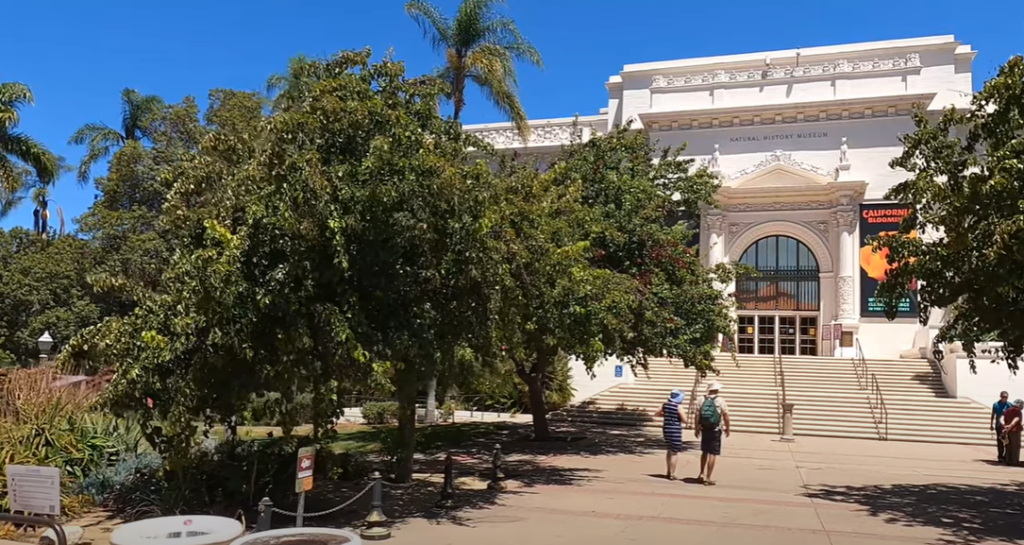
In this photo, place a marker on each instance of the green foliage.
(595, 264)
(100, 139)
(965, 190)
(481, 46)
(25, 164)
(43, 287)
(42, 424)
(337, 243)
(377, 413)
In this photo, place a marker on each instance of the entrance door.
(785, 334)
(766, 335)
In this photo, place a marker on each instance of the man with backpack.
(712, 420)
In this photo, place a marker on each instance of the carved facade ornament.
(913, 60)
(778, 206)
(739, 226)
(844, 292)
(714, 223)
(545, 135)
(845, 221)
(821, 227)
(779, 157)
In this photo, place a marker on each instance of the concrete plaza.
(814, 491)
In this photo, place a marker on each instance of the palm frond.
(136, 113)
(91, 131)
(60, 218)
(470, 21)
(26, 149)
(13, 179)
(97, 149)
(491, 69)
(436, 28)
(502, 31)
(13, 96)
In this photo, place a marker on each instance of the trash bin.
(181, 530)
(300, 536)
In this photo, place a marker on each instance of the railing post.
(266, 510)
(496, 474)
(787, 423)
(448, 488)
(375, 521)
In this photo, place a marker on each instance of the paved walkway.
(815, 491)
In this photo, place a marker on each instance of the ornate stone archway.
(813, 241)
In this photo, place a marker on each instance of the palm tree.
(481, 46)
(101, 139)
(282, 88)
(24, 162)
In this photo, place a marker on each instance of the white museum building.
(801, 140)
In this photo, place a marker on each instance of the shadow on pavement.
(527, 464)
(966, 513)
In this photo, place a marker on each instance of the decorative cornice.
(542, 135)
(912, 60)
(779, 206)
(779, 157)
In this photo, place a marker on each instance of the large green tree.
(596, 265)
(341, 241)
(43, 287)
(480, 46)
(965, 192)
(25, 164)
(124, 222)
(101, 140)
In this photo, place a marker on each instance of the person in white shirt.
(712, 420)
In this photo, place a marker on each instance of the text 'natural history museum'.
(802, 141)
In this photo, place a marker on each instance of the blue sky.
(77, 56)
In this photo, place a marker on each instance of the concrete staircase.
(829, 399)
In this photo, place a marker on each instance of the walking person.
(1012, 426)
(713, 420)
(996, 424)
(674, 420)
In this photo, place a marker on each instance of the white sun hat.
(714, 386)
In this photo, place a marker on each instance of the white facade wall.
(778, 120)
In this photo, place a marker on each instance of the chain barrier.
(328, 511)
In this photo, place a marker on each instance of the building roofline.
(841, 49)
(535, 123)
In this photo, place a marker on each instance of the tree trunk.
(406, 429)
(538, 408)
(431, 416)
(535, 380)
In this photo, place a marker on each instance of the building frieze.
(912, 60)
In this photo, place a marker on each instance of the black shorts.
(711, 441)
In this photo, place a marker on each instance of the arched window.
(787, 279)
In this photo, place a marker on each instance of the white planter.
(300, 536)
(180, 530)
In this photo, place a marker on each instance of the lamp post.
(45, 343)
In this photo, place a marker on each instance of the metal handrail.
(860, 366)
(878, 409)
(58, 530)
(780, 374)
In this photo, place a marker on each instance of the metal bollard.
(496, 474)
(266, 509)
(787, 423)
(448, 488)
(375, 521)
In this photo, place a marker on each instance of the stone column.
(846, 222)
(715, 224)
